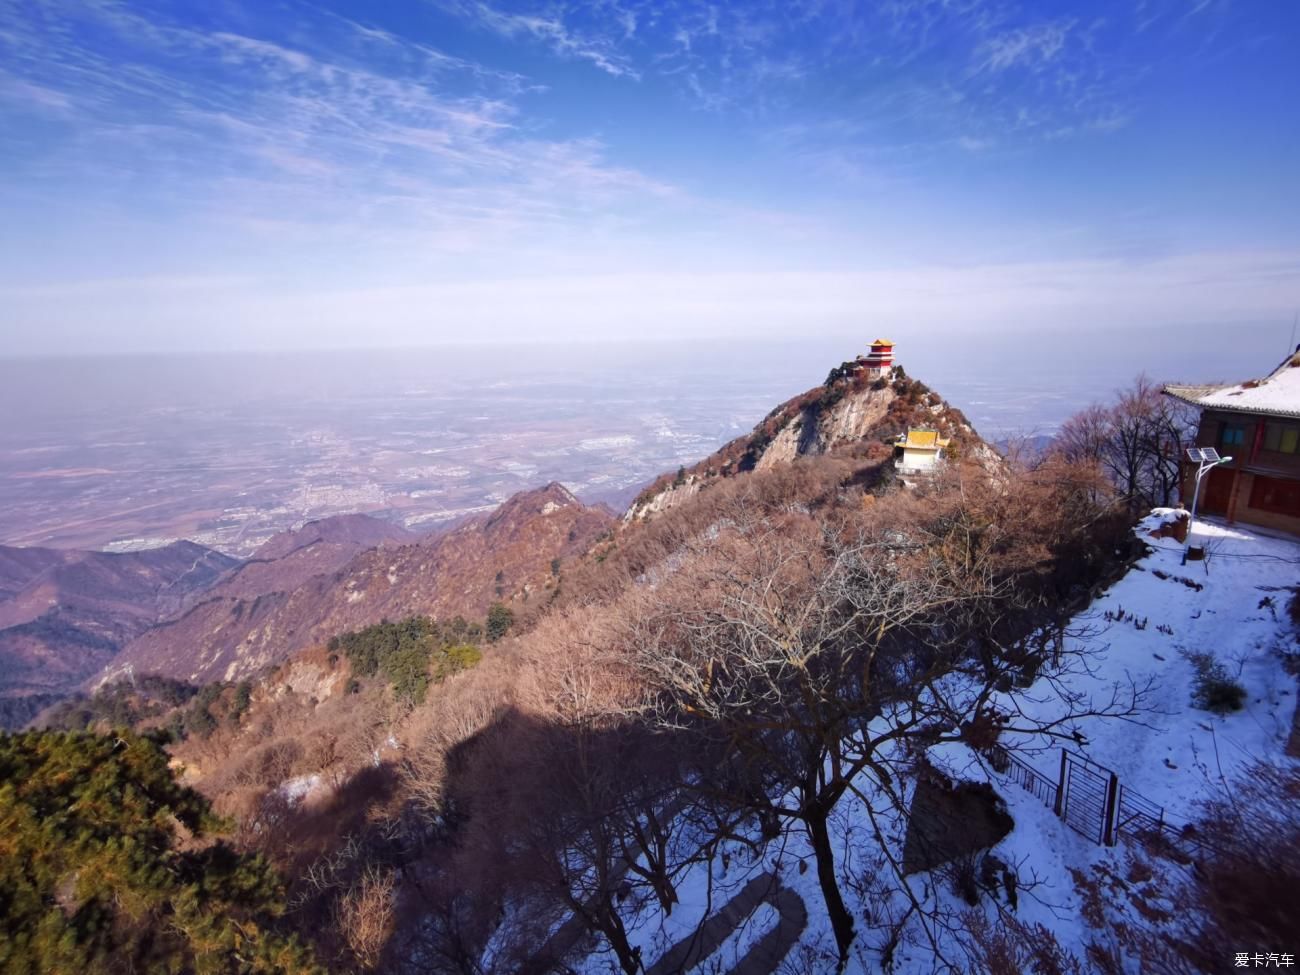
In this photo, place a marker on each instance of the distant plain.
(226, 449)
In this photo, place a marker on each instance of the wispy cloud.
(24, 95)
(273, 134)
(272, 57)
(437, 158)
(1033, 48)
(564, 40)
(764, 58)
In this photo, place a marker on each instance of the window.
(1276, 495)
(1232, 435)
(1281, 438)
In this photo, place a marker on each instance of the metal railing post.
(1060, 789)
(1108, 820)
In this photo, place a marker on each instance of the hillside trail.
(765, 954)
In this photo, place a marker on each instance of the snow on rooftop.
(1279, 393)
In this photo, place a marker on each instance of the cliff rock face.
(847, 410)
(506, 553)
(64, 614)
(819, 430)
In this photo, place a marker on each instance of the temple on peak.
(879, 361)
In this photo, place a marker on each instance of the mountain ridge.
(291, 557)
(499, 555)
(331, 575)
(358, 529)
(65, 613)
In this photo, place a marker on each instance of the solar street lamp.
(1206, 459)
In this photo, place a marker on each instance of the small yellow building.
(919, 451)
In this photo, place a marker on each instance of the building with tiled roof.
(877, 363)
(919, 451)
(1257, 424)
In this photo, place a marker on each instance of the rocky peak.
(531, 504)
(358, 530)
(850, 407)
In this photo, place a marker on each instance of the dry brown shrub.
(269, 764)
(1012, 947)
(815, 482)
(263, 818)
(455, 712)
(574, 669)
(365, 916)
(1244, 894)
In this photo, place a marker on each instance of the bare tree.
(826, 654)
(1136, 440)
(770, 641)
(543, 804)
(776, 660)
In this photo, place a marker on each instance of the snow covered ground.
(1173, 754)
(1178, 755)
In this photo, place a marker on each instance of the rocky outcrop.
(848, 409)
(819, 430)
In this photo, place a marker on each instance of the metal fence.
(1138, 816)
(1024, 775)
(1087, 797)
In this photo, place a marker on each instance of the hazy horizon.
(1283, 333)
(226, 449)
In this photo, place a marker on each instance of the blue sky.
(181, 176)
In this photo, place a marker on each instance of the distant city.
(129, 453)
